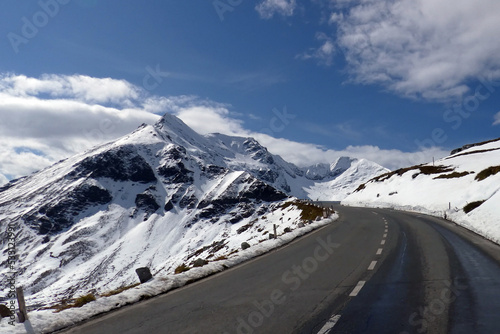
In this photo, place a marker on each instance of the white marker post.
(22, 314)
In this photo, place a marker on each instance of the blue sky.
(395, 81)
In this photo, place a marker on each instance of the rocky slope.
(328, 182)
(159, 197)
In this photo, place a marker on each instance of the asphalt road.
(371, 271)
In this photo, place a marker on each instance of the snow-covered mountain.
(159, 197)
(463, 187)
(328, 182)
(337, 181)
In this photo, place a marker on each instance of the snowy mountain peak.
(175, 130)
(318, 171)
(153, 197)
(242, 146)
(341, 165)
(322, 171)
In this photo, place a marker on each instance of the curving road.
(371, 271)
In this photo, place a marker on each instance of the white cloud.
(50, 118)
(77, 87)
(335, 17)
(324, 54)
(254, 117)
(304, 154)
(3, 179)
(217, 118)
(267, 8)
(211, 119)
(45, 120)
(497, 119)
(422, 49)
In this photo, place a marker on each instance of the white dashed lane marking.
(335, 317)
(357, 289)
(329, 324)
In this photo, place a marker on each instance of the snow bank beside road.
(450, 188)
(46, 321)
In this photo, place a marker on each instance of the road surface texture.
(371, 271)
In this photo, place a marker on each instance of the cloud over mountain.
(52, 117)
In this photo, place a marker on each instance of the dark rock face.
(174, 170)
(243, 210)
(121, 164)
(146, 202)
(188, 201)
(55, 217)
(267, 175)
(176, 153)
(177, 173)
(258, 152)
(261, 191)
(241, 202)
(212, 171)
(169, 206)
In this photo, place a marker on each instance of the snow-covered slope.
(327, 182)
(468, 179)
(159, 197)
(336, 181)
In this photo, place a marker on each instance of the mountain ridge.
(151, 198)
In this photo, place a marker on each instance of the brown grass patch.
(309, 211)
(78, 302)
(454, 175)
(490, 171)
(182, 268)
(473, 205)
